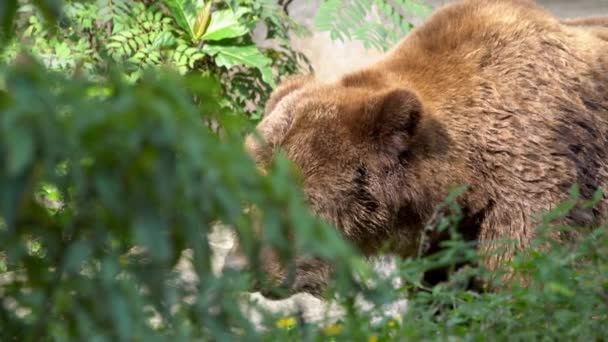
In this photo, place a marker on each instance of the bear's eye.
(361, 176)
(405, 156)
(362, 196)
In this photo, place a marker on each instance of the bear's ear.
(287, 86)
(390, 119)
(277, 119)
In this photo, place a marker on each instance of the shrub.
(127, 166)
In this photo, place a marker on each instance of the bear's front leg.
(304, 275)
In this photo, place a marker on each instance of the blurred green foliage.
(109, 173)
(134, 166)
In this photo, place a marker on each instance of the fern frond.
(115, 12)
(377, 24)
(141, 38)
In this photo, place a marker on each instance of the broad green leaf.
(225, 24)
(249, 55)
(184, 12)
(195, 17)
(201, 23)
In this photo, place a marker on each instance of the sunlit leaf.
(185, 12)
(201, 22)
(249, 55)
(225, 24)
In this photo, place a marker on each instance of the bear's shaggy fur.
(498, 95)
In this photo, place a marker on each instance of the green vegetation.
(188, 36)
(121, 147)
(376, 23)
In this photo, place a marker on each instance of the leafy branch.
(377, 24)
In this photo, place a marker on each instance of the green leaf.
(225, 24)
(195, 57)
(184, 12)
(8, 8)
(62, 50)
(163, 40)
(113, 45)
(378, 24)
(21, 151)
(249, 55)
(560, 289)
(201, 23)
(119, 38)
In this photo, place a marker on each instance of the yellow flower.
(333, 330)
(393, 322)
(372, 338)
(286, 323)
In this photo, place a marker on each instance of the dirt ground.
(331, 59)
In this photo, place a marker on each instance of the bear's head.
(353, 142)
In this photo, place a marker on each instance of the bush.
(126, 166)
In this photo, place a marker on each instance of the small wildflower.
(286, 323)
(393, 322)
(372, 338)
(333, 330)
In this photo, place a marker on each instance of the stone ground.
(304, 306)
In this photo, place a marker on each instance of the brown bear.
(498, 95)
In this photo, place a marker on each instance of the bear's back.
(521, 95)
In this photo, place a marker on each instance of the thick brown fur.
(495, 94)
